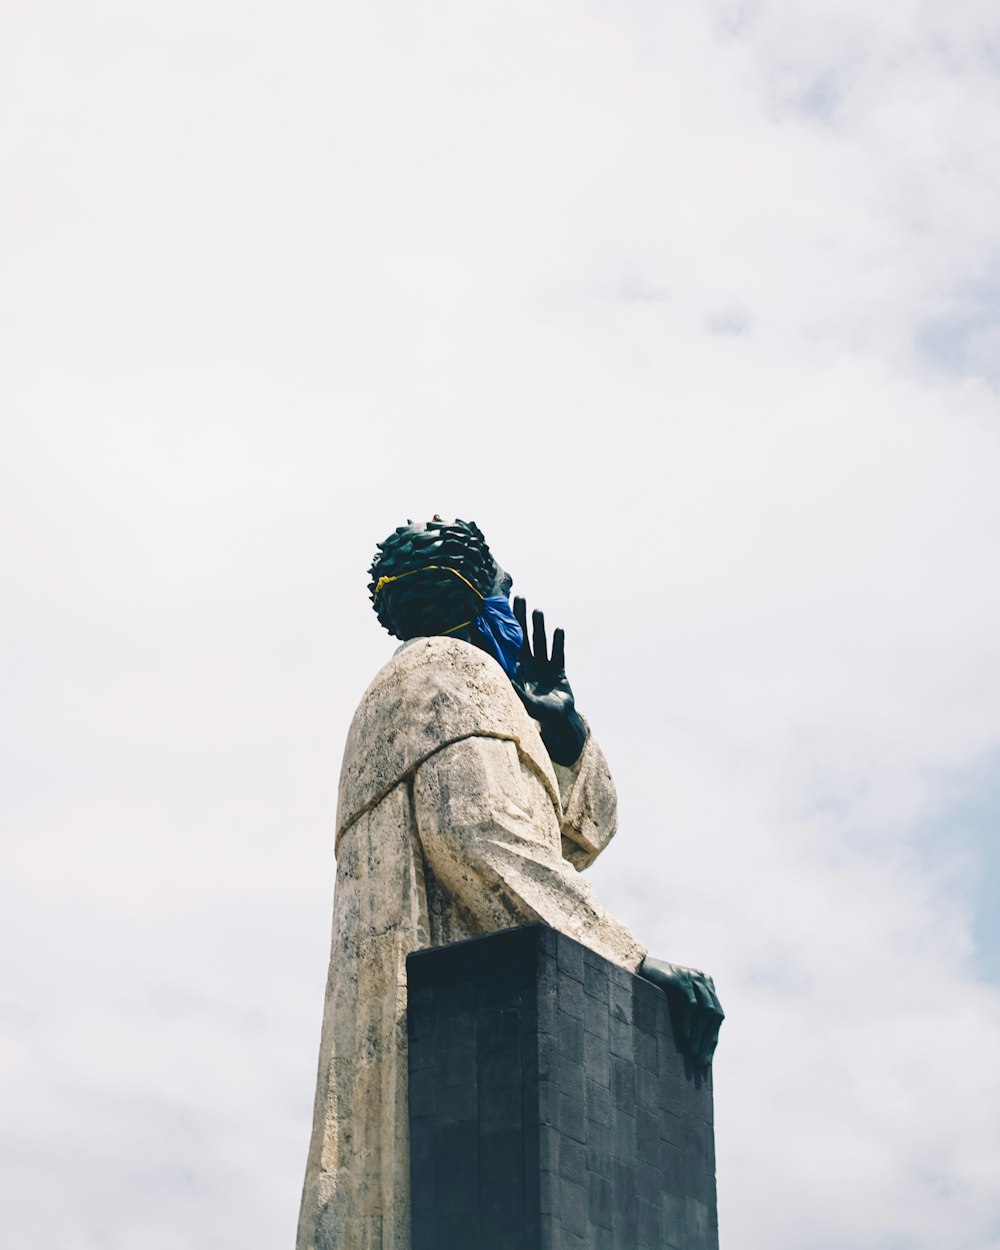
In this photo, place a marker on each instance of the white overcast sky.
(695, 308)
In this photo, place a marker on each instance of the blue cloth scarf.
(501, 632)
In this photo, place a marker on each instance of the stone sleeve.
(491, 836)
(589, 805)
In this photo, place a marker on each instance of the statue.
(472, 795)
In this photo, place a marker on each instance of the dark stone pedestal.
(550, 1105)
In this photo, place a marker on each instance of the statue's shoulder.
(434, 691)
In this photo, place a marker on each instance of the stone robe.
(452, 822)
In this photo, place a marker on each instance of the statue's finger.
(522, 620)
(559, 649)
(701, 1019)
(710, 1036)
(710, 1041)
(539, 643)
(713, 999)
(708, 1021)
(712, 1016)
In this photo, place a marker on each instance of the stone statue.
(472, 793)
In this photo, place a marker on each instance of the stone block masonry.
(550, 1105)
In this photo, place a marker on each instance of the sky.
(695, 309)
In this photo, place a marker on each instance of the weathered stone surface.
(452, 823)
(433, 692)
(589, 808)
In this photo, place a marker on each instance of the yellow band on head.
(384, 581)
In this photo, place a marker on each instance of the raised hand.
(694, 1005)
(541, 682)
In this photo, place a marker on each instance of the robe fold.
(452, 822)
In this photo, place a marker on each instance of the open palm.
(541, 682)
